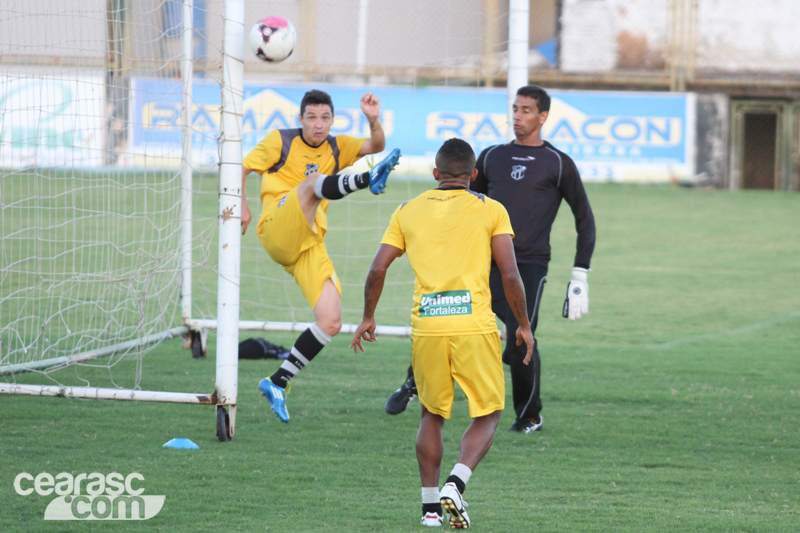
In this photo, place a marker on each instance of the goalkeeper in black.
(530, 177)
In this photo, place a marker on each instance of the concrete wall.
(736, 35)
(596, 35)
(712, 146)
(729, 35)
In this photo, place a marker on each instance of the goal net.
(120, 177)
(97, 234)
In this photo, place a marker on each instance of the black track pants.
(525, 379)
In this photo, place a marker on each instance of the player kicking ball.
(300, 175)
(451, 235)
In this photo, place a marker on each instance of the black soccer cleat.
(400, 398)
(527, 425)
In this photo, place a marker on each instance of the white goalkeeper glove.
(576, 304)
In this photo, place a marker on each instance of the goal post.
(97, 243)
(230, 208)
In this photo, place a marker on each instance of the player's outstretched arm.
(371, 107)
(246, 215)
(373, 288)
(503, 254)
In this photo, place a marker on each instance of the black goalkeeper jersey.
(530, 182)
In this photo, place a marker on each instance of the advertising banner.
(612, 136)
(49, 121)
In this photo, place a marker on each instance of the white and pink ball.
(272, 39)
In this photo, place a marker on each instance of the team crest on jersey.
(518, 172)
(282, 200)
(311, 168)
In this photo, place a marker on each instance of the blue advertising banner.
(612, 136)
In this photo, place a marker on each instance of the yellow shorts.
(474, 361)
(288, 239)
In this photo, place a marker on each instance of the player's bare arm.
(503, 254)
(373, 288)
(246, 215)
(370, 106)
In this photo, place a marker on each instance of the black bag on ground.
(261, 348)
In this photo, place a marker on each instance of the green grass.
(673, 406)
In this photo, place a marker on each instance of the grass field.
(673, 406)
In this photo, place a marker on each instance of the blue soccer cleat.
(276, 397)
(380, 172)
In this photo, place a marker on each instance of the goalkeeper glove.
(576, 303)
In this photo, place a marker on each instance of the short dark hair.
(455, 158)
(315, 97)
(538, 94)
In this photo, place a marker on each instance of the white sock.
(430, 495)
(462, 471)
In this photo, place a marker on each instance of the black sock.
(460, 485)
(337, 186)
(432, 508)
(305, 348)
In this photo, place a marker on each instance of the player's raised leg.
(337, 186)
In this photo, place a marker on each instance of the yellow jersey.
(447, 235)
(284, 160)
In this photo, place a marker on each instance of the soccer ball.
(272, 39)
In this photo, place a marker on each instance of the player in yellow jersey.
(451, 235)
(300, 173)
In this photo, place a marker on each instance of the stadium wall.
(713, 127)
(732, 36)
